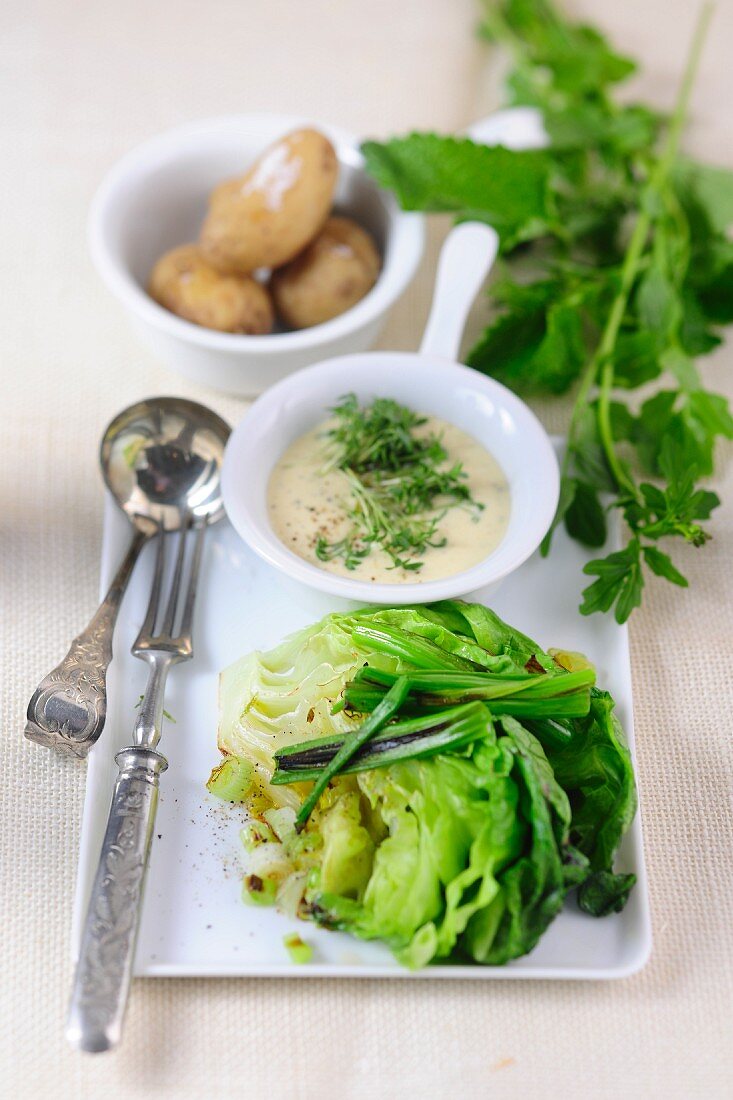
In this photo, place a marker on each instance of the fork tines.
(168, 622)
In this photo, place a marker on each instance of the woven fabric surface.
(82, 83)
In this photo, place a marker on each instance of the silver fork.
(104, 968)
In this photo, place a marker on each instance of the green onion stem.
(406, 740)
(482, 685)
(574, 705)
(397, 643)
(379, 717)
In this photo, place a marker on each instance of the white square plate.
(194, 922)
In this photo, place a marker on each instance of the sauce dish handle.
(514, 128)
(465, 260)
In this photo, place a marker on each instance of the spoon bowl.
(161, 460)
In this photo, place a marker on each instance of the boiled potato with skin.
(187, 285)
(333, 273)
(268, 216)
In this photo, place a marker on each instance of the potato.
(334, 272)
(187, 285)
(265, 218)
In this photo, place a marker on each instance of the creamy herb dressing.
(304, 504)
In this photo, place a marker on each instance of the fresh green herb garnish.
(617, 273)
(399, 487)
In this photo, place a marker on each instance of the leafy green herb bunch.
(616, 274)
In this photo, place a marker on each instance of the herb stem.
(602, 358)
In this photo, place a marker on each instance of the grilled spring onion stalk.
(385, 709)
(433, 778)
(409, 739)
(559, 694)
(444, 728)
(564, 695)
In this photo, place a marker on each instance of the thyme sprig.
(399, 483)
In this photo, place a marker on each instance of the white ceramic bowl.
(428, 382)
(484, 408)
(155, 198)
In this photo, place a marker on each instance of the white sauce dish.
(430, 382)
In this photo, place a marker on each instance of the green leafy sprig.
(399, 484)
(617, 273)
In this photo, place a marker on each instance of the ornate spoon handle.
(104, 969)
(68, 708)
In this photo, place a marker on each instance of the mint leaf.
(568, 488)
(509, 344)
(657, 303)
(709, 188)
(630, 130)
(582, 60)
(537, 343)
(697, 336)
(691, 421)
(587, 452)
(674, 463)
(636, 359)
(510, 190)
(563, 350)
(573, 59)
(715, 295)
(653, 422)
(701, 418)
(662, 565)
(585, 519)
(712, 412)
(681, 367)
(620, 582)
(622, 421)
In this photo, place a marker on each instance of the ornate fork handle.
(68, 708)
(107, 948)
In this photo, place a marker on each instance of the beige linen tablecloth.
(82, 82)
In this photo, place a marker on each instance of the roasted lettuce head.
(459, 827)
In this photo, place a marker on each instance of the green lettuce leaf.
(474, 856)
(595, 770)
(509, 190)
(533, 888)
(268, 699)
(465, 854)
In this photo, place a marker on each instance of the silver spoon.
(161, 460)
